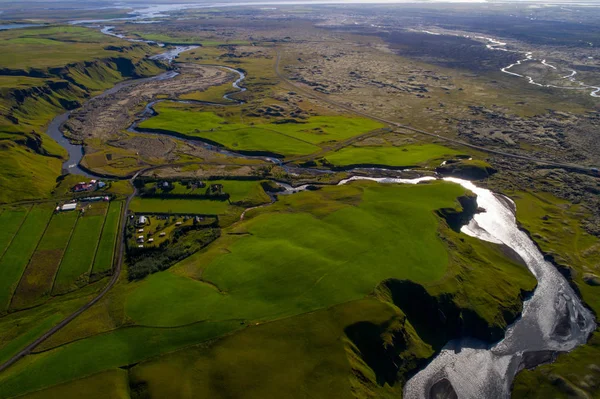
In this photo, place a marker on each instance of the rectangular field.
(10, 220)
(18, 254)
(38, 278)
(106, 248)
(191, 206)
(79, 257)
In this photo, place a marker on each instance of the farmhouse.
(82, 186)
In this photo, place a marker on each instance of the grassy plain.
(103, 352)
(45, 47)
(245, 191)
(238, 132)
(314, 343)
(410, 155)
(37, 281)
(80, 254)
(10, 220)
(306, 252)
(112, 384)
(106, 247)
(191, 206)
(17, 256)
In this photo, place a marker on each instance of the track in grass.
(10, 220)
(19, 253)
(106, 248)
(78, 259)
(37, 281)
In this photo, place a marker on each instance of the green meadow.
(18, 254)
(191, 206)
(307, 252)
(10, 220)
(38, 278)
(245, 191)
(409, 155)
(79, 256)
(106, 247)
(256, 134)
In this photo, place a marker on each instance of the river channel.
(553, 319)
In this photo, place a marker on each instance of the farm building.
(69, 207)
(142, 220)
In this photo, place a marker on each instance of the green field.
(106, 248)
(79, 257)
(104, 351)
(18, 254)
(306, 252)
(255, 134)
(245, 191)
(10, 220)
(38, 278)
(112, 384)
(409, 155)
(44, 47)
(250, 364)
(191, 206)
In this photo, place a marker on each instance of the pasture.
(244, 191)
(106, 248)
(242, 133)
(38, 278)
(409, 155)
(80, 254)
(307, 252)
(18, 254)
(189, 206)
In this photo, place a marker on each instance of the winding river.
(553, 319)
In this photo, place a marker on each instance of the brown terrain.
(105, 116)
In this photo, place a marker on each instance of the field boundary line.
(63, 254)
(14, 290)
(89, 272)
(114, 243)
(16, 232)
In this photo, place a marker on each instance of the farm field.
(106, 247)
(191, 206)
(10, 220)
(18, 254)
(255, 134)
(409, 155)
(245, 191)
(36, 283)
(80, 254)
(267, 268)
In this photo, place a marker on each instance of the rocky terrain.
(104, 117)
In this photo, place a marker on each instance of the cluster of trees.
(184, 244)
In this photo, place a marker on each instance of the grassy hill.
(315, 280)
(43, 72)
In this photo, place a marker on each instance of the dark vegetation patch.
(449, 51)
(185, 241)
